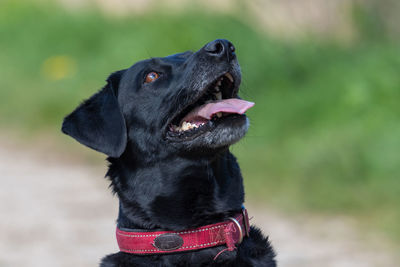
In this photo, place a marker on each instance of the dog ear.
(98, 122)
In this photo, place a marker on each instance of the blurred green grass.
(325, 131)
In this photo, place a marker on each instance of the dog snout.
(220, 48)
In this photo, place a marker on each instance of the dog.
(166, 125)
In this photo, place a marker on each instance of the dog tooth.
(219, 114)
(184, 126)
(229, 76)
(187, 126)
(219, 83)
(218, 95)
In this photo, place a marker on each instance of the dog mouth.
(217, 102)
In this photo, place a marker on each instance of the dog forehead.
(148, 64)
(179, 56)
(175, 59)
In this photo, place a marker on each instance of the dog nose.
(220, 48)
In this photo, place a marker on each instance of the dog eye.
(151, 77)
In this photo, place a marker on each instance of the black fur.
(164, 181)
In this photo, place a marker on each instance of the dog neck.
(176, 193)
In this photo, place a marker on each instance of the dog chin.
(224, 134)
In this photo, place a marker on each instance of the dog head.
(179, 103)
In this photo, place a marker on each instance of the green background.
(325, 131)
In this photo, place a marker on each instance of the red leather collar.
(230, 233)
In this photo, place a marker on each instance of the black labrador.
(166, 125)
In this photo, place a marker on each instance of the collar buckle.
(240, 230)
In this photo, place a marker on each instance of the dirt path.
(55, 213)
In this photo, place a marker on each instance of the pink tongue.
(206, 111)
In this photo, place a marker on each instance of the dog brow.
(155, 61)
